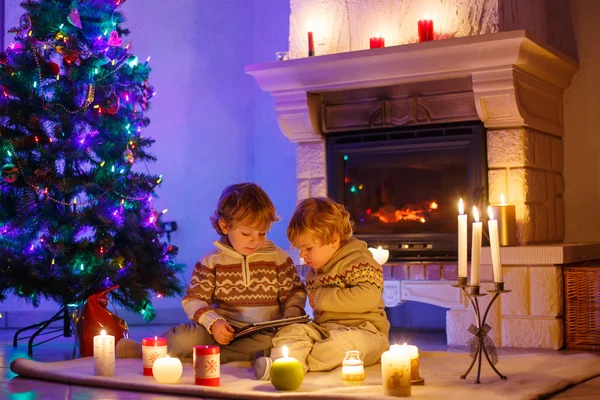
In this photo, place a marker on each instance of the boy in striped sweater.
(345, 287)
(244, 280)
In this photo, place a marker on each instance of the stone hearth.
(512, 84)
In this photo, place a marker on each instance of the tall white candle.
(395, 371)
(462, 240)
(476, 248)
(494, 246)
(380, 254)
(104, 354)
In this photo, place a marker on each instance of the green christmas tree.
(75, 216)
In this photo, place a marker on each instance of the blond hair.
(321, 218)
(245, 203)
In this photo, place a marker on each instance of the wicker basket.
(582, 307)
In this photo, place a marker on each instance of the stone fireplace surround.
(506, 80)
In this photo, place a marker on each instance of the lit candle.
(476, 248)
(311, 43)
(167, 370)
(287, 372)
(425, 29)
(380, 255)
(507, 223)
(462, 240)
(395, 371)
(104, 354)
(413, 353)
(353, 370)
(152, 349)
(494, 246)
(207, 365)
(376, 42)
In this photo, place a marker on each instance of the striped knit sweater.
(348, 289)
(243, 290)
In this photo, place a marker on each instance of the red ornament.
(95, 318)
(113, 104)
(53, 68)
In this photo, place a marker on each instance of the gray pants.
(181, 340)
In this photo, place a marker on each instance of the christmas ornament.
(53, 68)
(96, 317)
(128, 155)
(10, 173)
(74, 18)
(114, 40)
(3, 58)
(113, 104)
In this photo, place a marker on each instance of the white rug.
(530, 376)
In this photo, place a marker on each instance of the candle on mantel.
(286, 372)
(395, 371)
(104, 354)
(507, 223)
(425, 26)
(152, 349)
(462, 241)
(476, 248)
(380, 254)
(376, 42)
(311, 42)
(494, 246)
(167, 370)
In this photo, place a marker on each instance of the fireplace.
(401, 186)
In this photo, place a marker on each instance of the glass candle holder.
(353, 370)
(282, 56)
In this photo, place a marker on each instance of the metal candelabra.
(481, 344)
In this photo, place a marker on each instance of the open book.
(263, 326)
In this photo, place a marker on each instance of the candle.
(494, 246)
(104, 354)
(376, 42)
(462, 241)
(167, 370)
(311, 43)
(353, 370)
(395, 371)
(425, 29)
(207, 365)
(152, 349)
(476, 248)
(380, 255)
(287, 372)
(413, 354)
(507, 223)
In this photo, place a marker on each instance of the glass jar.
(353, 371)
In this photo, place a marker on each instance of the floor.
(15, 388)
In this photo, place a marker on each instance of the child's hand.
(292, 312)
(222, 332)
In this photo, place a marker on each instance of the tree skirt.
(530, 376)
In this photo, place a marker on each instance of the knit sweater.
(348, 289)
(244, 289)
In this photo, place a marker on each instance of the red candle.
(207, 365)
(376, 42)
(425, 29)
(152, 348)
(311, 45)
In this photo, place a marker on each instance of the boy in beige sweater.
(344, 285)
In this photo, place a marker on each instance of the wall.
(346, 25)
(582, 122)
(212, 124)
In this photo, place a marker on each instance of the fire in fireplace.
(402, 186)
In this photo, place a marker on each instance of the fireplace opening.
(402, 186)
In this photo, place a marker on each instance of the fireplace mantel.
(516, 82)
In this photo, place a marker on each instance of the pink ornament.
(114, 39)
(74, 18)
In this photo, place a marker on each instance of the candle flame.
(425, 16)
(310, 25)
(475, 214)
(285, 352)
(490, 212)
(102, 332)
(461, 207)
(377, 34)
(502, 199)
(155, 338)
(167, 356)
(379, 248)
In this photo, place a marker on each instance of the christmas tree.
(75, 216)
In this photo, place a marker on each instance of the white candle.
(104, 354)
(462, 240)
(380, 254)
(395, 371)
(353, 371)
(495, 246)
(167, 370)
(413, 353)
(476, 248)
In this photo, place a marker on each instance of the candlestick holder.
(481, 344)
